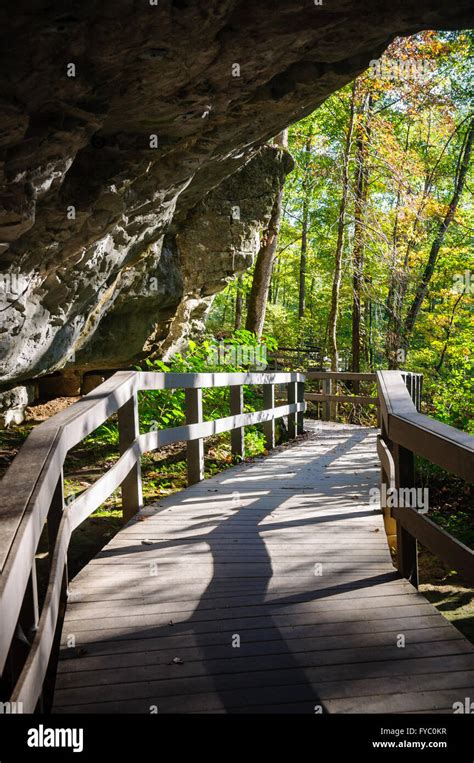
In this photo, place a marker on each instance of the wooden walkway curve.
(268, 588)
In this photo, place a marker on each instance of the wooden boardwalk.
(268, 588)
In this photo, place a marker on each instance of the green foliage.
(163, 409)
(254, 442)
(416, 128)
(160, 409)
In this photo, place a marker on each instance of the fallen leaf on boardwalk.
(147, 542)
(171, 622)
(375, 530)
(177, 660)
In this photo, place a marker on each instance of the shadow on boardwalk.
(235, 598)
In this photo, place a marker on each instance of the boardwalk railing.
(32, 496)
(404, 433)
(294, 358)
(329, 394)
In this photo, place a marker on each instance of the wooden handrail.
(29, 491)
(406, 432)
(328, 396)
(440, 443)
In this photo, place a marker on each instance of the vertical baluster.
(269, 426)
(292, 417)
(236, 408)
(25, 630)
(300, 397)
(194, 448)
(327, 390)
(131, 488)
(55, 515)
(407, 552)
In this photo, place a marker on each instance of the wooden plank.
(339, 675)
(152, 616)
(138, 607)
(141, 651)
(358, 662)
(305, 639)
(177, 701)
(238, 695)
(151, 664)
(248, 569)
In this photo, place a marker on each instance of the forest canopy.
(373, 261)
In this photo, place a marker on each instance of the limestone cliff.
(118, 119)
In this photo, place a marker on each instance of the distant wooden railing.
(32, 495)
(404, 433)
(329, 381)
(293, 358)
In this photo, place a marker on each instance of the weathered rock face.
(116, 121)
(165, 296)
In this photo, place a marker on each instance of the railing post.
(269, 426)
(327, 390)
(236, 408)
(300, 397)
(194, 448)
(29, 613)
(25, 630)
(132, 498)
(292, 417)
(407, 551)
(390, 523)
(54, 520)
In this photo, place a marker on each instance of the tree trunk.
(394, 297)
(238, 305)
(257, 302)
(303, 255)
(336, 284)
(275, 282)
(360, 202)
(304, 229)
(448, 332)
(422, 288)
